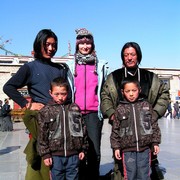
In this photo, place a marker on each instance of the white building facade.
(10, 64)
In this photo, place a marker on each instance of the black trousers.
(89, 167)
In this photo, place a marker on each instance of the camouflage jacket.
(61, 130)
(135, 128)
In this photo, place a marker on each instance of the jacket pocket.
(146, 119)
(124, 130)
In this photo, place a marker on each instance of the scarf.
(85, 59)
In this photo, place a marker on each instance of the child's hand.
(156, 150)
(48, 161)
(117, 154)
(81, 155)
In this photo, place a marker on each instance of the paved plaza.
(13, 163)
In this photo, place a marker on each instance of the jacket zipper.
(85, 89)
(135, 127)
(64, 121)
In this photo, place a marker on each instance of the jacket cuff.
(46, 156)
(110, 112)
(155, 115)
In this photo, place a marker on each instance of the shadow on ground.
(9, 149)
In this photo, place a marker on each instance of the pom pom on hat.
(83, 32)
(84, 36)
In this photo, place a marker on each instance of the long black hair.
(40, 41)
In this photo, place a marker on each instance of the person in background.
(135, 132)
(152, 88)
(1, 115)
(61, 140)
(7, 124)
(36, 75)
(169, 110)
(176, 110)
(89, 75)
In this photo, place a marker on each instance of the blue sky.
(154, 25)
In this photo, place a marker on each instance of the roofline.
(165, 69)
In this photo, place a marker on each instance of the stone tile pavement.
(13, 163)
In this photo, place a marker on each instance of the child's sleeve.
(114, 137)
(85, 137)
(156, 137)
(43, 134)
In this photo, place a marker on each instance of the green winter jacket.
(156, 91)
(36, 169)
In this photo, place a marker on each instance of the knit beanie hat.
(84, 36)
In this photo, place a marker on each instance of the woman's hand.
(34, 106)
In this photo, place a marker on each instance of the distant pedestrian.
(1, 116)
(7, 124)
(169, 110)
(176, 110)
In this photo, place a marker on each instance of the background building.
(172, 78)
(10, 64)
